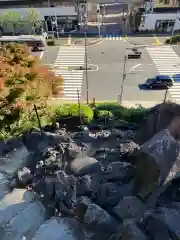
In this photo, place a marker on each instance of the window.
(164, 25)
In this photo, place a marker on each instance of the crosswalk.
(70, 57)
(167, 63)
(115, 37)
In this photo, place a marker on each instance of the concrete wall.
(151, 18)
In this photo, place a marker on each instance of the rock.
(61, 229)
(109, 194)
(99, 220)
(25, 223)
(24, 176)
(73, 149)
(14, 202)
(157, 119)
(128, 147)
(118, 171)
(83, 165)
(129, 207)
(82, 204)
(35, 141)
(155, 161)
(132, 232)
(156, 229)
(4, 185)
(15, 159)
(171, 217)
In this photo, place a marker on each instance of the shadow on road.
(145, 88)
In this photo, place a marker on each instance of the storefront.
(160, 20)
(164, 25)
(61, 23)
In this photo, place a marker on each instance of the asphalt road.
(105, 84)
(48, 56)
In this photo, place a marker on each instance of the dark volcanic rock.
(96, 184)
(157, 119)
(129, 207)
(99, 220)
(60, 228)
(83, 165)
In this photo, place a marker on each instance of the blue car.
(160, 81)
(176, 77)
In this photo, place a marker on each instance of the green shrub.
(102, 114)
(72, 110)
(173, 39)
(134, 115)
(168, 41)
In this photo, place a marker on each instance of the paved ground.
(146, 40)
(108, 57)
(105, 83)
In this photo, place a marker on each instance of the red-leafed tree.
(23, 83)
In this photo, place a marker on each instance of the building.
(162, 20)
(55, 15)
(167, 3)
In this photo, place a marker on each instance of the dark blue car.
(176, 77)
(160, 81)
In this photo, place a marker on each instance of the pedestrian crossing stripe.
(167, 63)
(114, 37)
(69, 58)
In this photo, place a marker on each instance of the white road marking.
(70, 57)
(167, 62)
(134, 67)
(41, 54)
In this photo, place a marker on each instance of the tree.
(14, 18)
(33, 18)
(23, 83)
(135, 20)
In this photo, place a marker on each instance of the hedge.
(133, 115)
(72, 110)
(173, 40)
(69, 113)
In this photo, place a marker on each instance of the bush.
(72, 111)
(104, 114)
(133, 115)
(173, 40)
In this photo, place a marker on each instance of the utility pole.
(86, 59)
(99, 20)
(124, 77)
(176, 20)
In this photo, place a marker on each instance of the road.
(105, 84)
(107, 58)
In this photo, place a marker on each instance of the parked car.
(160, 81)
(176, 77)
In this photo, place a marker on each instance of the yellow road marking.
(126, 37)
(157, 41)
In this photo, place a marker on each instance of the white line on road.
(136, 66)
(41, 54)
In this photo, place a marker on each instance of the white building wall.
(59, 11)
(151, 18)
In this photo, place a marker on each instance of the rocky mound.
(96, 183)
